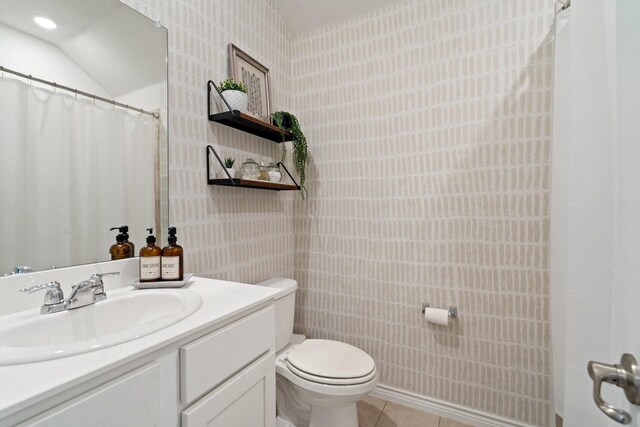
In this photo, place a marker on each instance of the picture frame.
(255, 77)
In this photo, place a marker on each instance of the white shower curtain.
(71, 170)
(595, 202)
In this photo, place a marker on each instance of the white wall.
(148, 98)
(44, 61)
(30, 55)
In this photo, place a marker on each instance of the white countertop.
(26, 384)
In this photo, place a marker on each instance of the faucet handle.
(53, 299)
(96, 278)
(99, 276)
(96, 282)
(51, 285)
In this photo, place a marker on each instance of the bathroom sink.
(33, 337)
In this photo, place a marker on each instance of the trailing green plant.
(288, 122)
(228, 162)
(231, 84)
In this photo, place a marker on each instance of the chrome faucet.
(84, 293)
(20, 269)
(89, 291)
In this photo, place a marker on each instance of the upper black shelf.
(250, 124)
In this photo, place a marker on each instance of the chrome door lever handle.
(626, 375)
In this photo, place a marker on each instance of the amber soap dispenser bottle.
(172, 256)
(124, 230)
(150, 259)
(120, 250)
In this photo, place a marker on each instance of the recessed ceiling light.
(45, 22)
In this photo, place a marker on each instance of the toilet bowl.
(318, 382)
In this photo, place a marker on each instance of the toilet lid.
(331, 362)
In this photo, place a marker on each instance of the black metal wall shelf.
(244, 122)
(246, 183)
(250, 183)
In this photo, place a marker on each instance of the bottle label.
(170, 267)
(149, 268)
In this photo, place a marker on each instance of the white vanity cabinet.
(220, 377)
(146, 396)
(231, 373)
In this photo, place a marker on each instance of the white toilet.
(318, 381)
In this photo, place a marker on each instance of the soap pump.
(120, 250)
(172, 258)
(124, 230)
(150, 259)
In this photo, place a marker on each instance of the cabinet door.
(206, 363)
(132, 400)
(247, 399)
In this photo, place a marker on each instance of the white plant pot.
(237, 100)
(232, 172)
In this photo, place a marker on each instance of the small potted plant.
(287, 121)
(228, 165)
(235, 93)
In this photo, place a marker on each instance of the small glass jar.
(250, 169)
(274, 173)
(264, 173)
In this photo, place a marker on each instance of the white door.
(595, 204)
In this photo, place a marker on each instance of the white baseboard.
(443, 408)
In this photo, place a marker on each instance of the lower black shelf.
(249, 183)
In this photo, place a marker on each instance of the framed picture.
(255, 77)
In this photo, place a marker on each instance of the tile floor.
(374, 412)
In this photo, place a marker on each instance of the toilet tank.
(284, 307)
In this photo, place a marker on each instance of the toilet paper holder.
(453, 310)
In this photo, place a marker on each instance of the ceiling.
(302, 16)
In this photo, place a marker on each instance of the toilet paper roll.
(439, 316)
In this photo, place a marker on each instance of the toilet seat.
(330, 362)
(328, 380)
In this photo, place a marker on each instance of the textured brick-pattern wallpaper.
(428, 124)
(233, 234)
(429, 130)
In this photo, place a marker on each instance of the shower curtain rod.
(78, 92)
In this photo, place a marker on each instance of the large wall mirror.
(83, 126)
